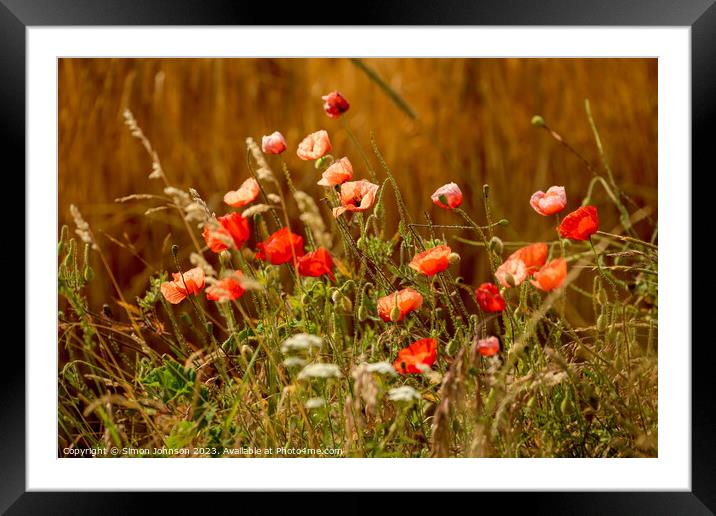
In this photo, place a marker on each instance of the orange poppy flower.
(280, 247)
(406, 300)
(447, 196)
(522, 263)
(551, 276)
(237, 226)
(335, 104)
(419, 354)
(580, 224)
(314, 146)
(274, 143)
(316, 263)
(489, 298)
(217, 238)
(339, 172)
(226, 289)
(488, 347)
(247, 192)
(356, 196)
(432, 261)
(551, 202)
(179, 288)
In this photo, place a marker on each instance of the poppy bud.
(88, 273)
(486, 190)
(63, 237)
(362, 313)
(601, 322)
(453, 258)
(225, 258)
(510, 280)
(538, 121)
(305, 299)
(336, 295)
(503, 222)
(565, 405)
(345, 304)
(323, 161)
(531, 402)
(452, 346)
(395, 314)
(496, 245)
(602, 296)
(175, 250)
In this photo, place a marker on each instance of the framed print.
(419, 252)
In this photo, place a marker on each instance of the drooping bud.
(362, 313)
(496, 245)
(395, 314)
(453, 258)
(503, 222)
(538, 121)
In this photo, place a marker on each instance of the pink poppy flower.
(314, 146)
(450, 194)
(339, 172)
(356, 196)
(247, 192)
(274, 143)
(488, 347)
(551, 202)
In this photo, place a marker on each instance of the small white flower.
(404, 393)
(294, 362)
(301, 342)
(320, 371)
(314, 403)
(381, 368)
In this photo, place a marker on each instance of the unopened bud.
(601, 323)
(225, 258)
(496, 245)
(362, 313)
(503, 222)
(88, 273)
(305, 299)
(323, 161)
(510, 279)
(175, 250)
(395, 314)
(486, 190)
(538, 121)
(453, 258)
(345, 304)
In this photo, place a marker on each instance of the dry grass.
(472, 127)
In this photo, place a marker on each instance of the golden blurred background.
(472, 126)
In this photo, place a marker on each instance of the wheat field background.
(472, 126)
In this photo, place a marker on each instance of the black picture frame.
(699, 15)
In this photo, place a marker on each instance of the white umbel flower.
(404, 393)
(320, 371)
(301, 342)
(314, 403)
(381, 368)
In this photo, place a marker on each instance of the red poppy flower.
(580, 224)
(226, 289)
(217, 238)
(280, 247)
(179, 288)
(356, 196)
(489, 298)
(316, 263)
(551, 276)
(314, 146)
(274, 143)
(339, 172)
(247, 192)
(447, 196)
(551, 202)
(335, 104)
(521, 264)
(432, 261)
(419, 354)
(488, 347)
(237, 226)
(406, 300)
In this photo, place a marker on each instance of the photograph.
(357, 257)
